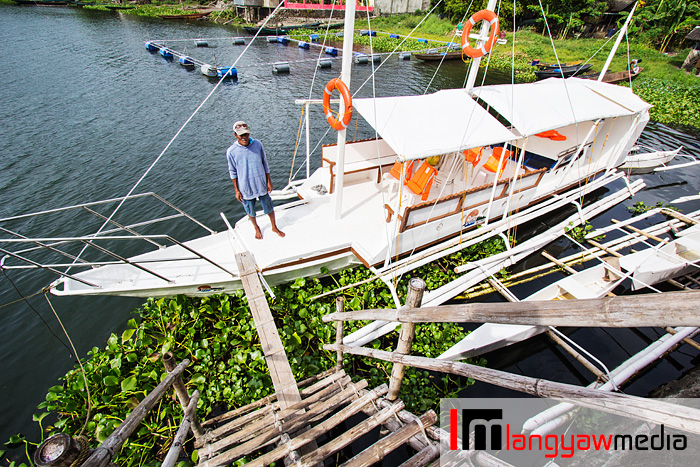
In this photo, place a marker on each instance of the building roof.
(694, 35)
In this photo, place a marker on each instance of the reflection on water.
(86, 110)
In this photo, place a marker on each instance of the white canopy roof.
(553, 103)
(432, 124)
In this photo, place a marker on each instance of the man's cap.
(241, 128)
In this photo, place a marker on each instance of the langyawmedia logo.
(487, 429)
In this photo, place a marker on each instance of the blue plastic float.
(228, 71)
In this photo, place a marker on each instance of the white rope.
(172, 140)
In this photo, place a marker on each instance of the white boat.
(638, 162)
(645, 268)
(473, 170)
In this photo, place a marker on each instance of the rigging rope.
(80, 363)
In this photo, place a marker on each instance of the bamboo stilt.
(339, 307)
(179, 440)
(182, 394)
(415, 294)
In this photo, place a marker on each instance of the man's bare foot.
(258, 234)
(279, 232)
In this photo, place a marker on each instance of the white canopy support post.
(307, 106)
(474, 69)
(345, 77)
(623, 31)
(514, 180)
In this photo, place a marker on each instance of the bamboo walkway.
(287, 425)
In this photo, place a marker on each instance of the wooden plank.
(318, 430)
(347, 438)
(650, 310)
(280, 370)
(289, 425)
(384, 446)
(265, 403)
(652, 410)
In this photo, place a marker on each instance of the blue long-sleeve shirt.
(248, 165)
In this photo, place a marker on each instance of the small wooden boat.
(186, 61)
(645, 162)
(565, 71)
(645, 268)
(279, 30)
(617, 77)
(42, 2)
(432, 56)
(187, 16)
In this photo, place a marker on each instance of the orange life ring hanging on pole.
(482, 15)
(336, 122)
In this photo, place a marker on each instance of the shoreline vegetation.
(673, 92)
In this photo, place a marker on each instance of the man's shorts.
(265, 200)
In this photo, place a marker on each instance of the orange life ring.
(336, 122)
(482, 15)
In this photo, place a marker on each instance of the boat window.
(565, 156)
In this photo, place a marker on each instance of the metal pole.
(623, 31)
(345, 76)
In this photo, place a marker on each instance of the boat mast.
(345, 75)
(483, 37)
(623, 31)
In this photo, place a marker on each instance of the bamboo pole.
(264, 405)
(640, 232)
(318, 430)
(654, 411)
(289, 425)
(106, 451)
(416, 287)
(423, 457)
(577, 356)
(350, 436)
(241, 430)
(651, 310)
(687, 340)
(378, 451)
(182, 394)
(679, 216)
(339, 307)
(178, 441)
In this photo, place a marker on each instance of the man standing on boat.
(250, 174)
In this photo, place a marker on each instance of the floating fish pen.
(361, 59)
(304, 45)
(280, 67)
(324, 63)
(186, 61)
(208, 70)
(151, 47)
(201, 43)
(165, 53)
(227, 72)
(404, 55)
(238, 41)
(332, 51)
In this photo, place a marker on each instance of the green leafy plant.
(228, 368)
